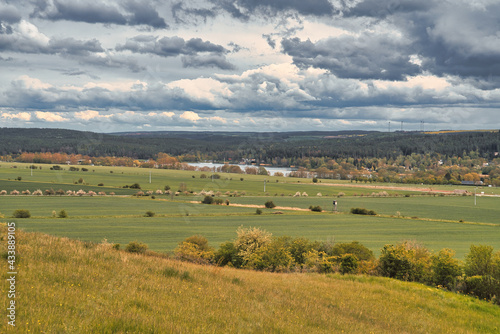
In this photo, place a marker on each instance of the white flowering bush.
(14, 192)
(80, 193)
(37, 192)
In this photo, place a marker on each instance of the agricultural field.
(78, 287)
(403, 212)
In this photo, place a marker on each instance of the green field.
(435, 221)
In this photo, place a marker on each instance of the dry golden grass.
(67, 286)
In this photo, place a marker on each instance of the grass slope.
(74, 287)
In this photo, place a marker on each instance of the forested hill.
(265, 147)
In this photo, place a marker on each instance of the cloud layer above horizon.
(220, 65)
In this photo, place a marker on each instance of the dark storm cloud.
(243, 9)
(458, 39)
(384, 8)
(9, 14)
(121, 13)
(213, 60)
(71, 46)
(177, 46)
(183, 14)
(365, 57)
(143, 13)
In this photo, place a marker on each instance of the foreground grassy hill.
(76, 287)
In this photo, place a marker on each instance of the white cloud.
(21, 116)
(87, 114)
(190, 116)
(50, 116)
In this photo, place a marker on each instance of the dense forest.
(279, 149)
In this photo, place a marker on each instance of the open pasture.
(121, 220)
(431, 220)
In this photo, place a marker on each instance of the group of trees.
(257, 249)
(448, 158)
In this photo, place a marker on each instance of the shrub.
(208, 200)
(348, 264)
(315, 180)
(116, 246)
(405, 261)
(21, 213)
(363, 211)
(135, 186)
(80, 180)
(319, 261)
(272, 257)
(37, 192)
(227, 255)
(3, 192)
(62, 214)
(218, 201)
(136, 247)
(478, 262)
(149, 214)
(100, 184)
(80, 193)
(203, 176)
(194, 249)
(269, 204)
(139, 193)
(355, 248)
(258, 212)
(14, 192)
(316, 208)
(49, 192)
(56, 167)
(445, 269)
(249, 240)
(60, 192)
(84, 169)
(227, 202)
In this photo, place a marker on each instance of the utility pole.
(401, 126)
(389, 126)
(264, 185)
(149, 176)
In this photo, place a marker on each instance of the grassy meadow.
(435, 221)
(68, 286)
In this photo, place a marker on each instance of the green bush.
(315, 180)
(136, 247)
(135, 186)
(218, 201)
(116, 246)
(208, 200)
(62, 214)
(348, 264)
(227, 255)
(269, 204)
(363, 211)
(355, 248)
(479, 261)
(258, 212)
(406, 261)
(149, 214)
(272, 257)
(250, 240)
(316, 208)
(445, 269)
(194, 249)
(21, 213)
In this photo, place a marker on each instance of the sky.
(250, 65)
